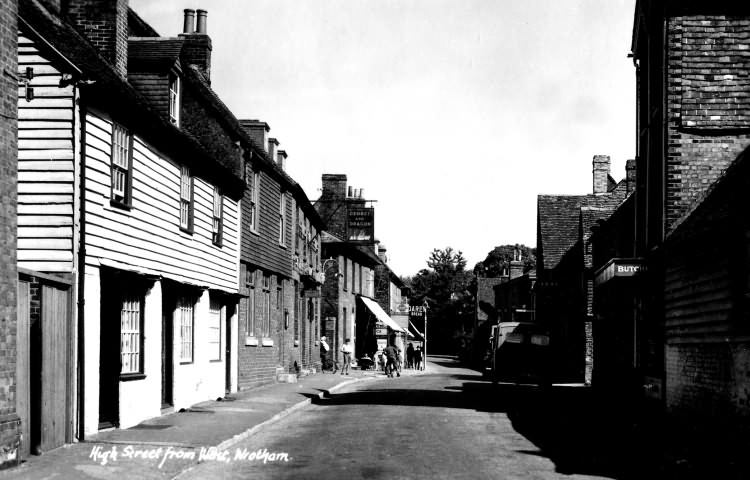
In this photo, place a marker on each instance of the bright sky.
(453, 114)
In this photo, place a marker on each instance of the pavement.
(165, 446)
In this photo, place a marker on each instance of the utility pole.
(424, 353)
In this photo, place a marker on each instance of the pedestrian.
(418, 363)
(346, 349)
(410, 356)
(324, 348)
(391, 354)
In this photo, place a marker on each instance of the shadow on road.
(579, 432)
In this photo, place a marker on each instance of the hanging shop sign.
(619, 268)
(360, 224)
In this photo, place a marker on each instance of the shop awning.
(415, 329)
(380, 314)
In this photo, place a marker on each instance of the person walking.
(324, 348)
(346, 349)
(410, 356)
(418, 362)
(391, 353)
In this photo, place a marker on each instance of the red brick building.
(9, 422)
(692, 61)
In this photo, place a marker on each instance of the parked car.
(520, 353)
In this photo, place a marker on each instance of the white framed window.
(174, 100)
(122, 161)
(252, 180)
(131, 338)
(215, 319)
(186, 320)
(218, 217)
(282, 218)
(186, 199)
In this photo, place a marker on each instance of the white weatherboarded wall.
(147, 239)
(46, 165)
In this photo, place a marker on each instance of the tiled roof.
(153, 54)
(566, 219)
(486, 288)
(559, 220)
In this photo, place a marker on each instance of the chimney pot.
(189, 24)
(201, 27)
(361, 192)
(349, 191)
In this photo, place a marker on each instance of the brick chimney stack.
(197, 47)
(516, 265)
(630, 176)
(105, 24)
(258, 132)
(334, 186)
(273, 146)
(601, 174)
(281, 159)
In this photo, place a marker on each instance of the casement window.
(252, 180)
(186, 199)
(186, 320)
(250, 322)
(214, 329)
(131, 334)
(122, 166)
(218, 227)
(174, 100)
(282, 218)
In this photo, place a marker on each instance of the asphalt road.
(449, 423)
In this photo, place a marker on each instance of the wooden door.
(23, 367)
(55, 371)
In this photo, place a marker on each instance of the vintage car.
(520, 353)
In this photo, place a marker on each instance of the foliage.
(447, 289)
(498, 260)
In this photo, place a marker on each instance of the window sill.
(186, 230)
(188, 362)
(218, 244)
(127, 377)
(121, 205)
(251, 341)
(267, 342)
(218, 360)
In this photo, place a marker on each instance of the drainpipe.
(82, 276)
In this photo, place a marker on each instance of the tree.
(498, 260)
(446, 287)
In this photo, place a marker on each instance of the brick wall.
(105, 24)
(709, 381)
(8, 276)
(708, 103)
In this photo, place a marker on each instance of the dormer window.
(174, 100)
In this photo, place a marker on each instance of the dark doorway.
(228, 348)
(109, 354)
(167, 345)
